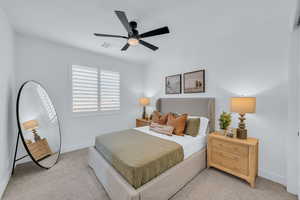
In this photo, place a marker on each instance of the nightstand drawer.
(241, 150)
(230, 161)
(142, 122)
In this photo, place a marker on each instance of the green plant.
(225, 120)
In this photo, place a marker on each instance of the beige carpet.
(72, 179)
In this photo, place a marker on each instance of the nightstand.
(238, 157)
(142, 122)
(39, 149)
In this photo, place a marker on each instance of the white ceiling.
(203, 21)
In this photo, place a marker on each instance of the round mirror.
(38, 124)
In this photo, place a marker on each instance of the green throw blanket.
(137, 156)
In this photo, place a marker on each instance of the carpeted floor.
(72, 179)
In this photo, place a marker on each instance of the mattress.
(189, 143)
(137, 156)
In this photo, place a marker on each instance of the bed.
(178, 171)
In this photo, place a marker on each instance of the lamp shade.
(144, 101)
(30, 125)
(243, 105)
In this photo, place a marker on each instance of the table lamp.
(144, 102)
(243, 105)
(32, 125)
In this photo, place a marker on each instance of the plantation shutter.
(109, 91)
(84, 89)
(47, 104)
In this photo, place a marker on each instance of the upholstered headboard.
(193, 106)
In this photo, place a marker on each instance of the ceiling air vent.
(105, 45)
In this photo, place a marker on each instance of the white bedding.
(189, 144)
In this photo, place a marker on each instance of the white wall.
(244, 52)
(292, 153)
(50, 63)
(7, 132)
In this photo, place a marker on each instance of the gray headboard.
(192, 106)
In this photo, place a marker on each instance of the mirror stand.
(15, 156)
(25, 156)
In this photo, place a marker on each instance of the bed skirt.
(162, 187)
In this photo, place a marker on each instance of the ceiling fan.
(134, 38)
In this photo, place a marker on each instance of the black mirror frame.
(20, 129)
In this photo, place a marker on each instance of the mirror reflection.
(39, 124)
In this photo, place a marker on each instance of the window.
(84, 89)
(109, 91)
(93, 91)
(47, 104)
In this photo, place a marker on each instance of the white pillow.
(203, 124)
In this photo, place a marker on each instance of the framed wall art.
(194, 82)
(173, 84)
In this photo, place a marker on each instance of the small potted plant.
(224, 121)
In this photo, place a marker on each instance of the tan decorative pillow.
(178, 123)
(192, 126)
(157, 117)
(164, 129)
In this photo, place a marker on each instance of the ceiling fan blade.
(107, 35)
(150, 46)
(125, 47)
(155, 32)
(123, 18)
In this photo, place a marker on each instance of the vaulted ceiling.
(193, 22)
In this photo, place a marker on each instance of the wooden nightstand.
(142, 122)
(39, 149)
(235, 156)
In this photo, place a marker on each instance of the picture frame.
(173, 84)
(194, 82)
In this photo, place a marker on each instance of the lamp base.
(144, 112)
(241, 133)
(36, 136)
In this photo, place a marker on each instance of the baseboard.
(3, 183)
(69, 148)
(292, 190)
(272, 176)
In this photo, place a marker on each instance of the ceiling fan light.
(133, 41)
